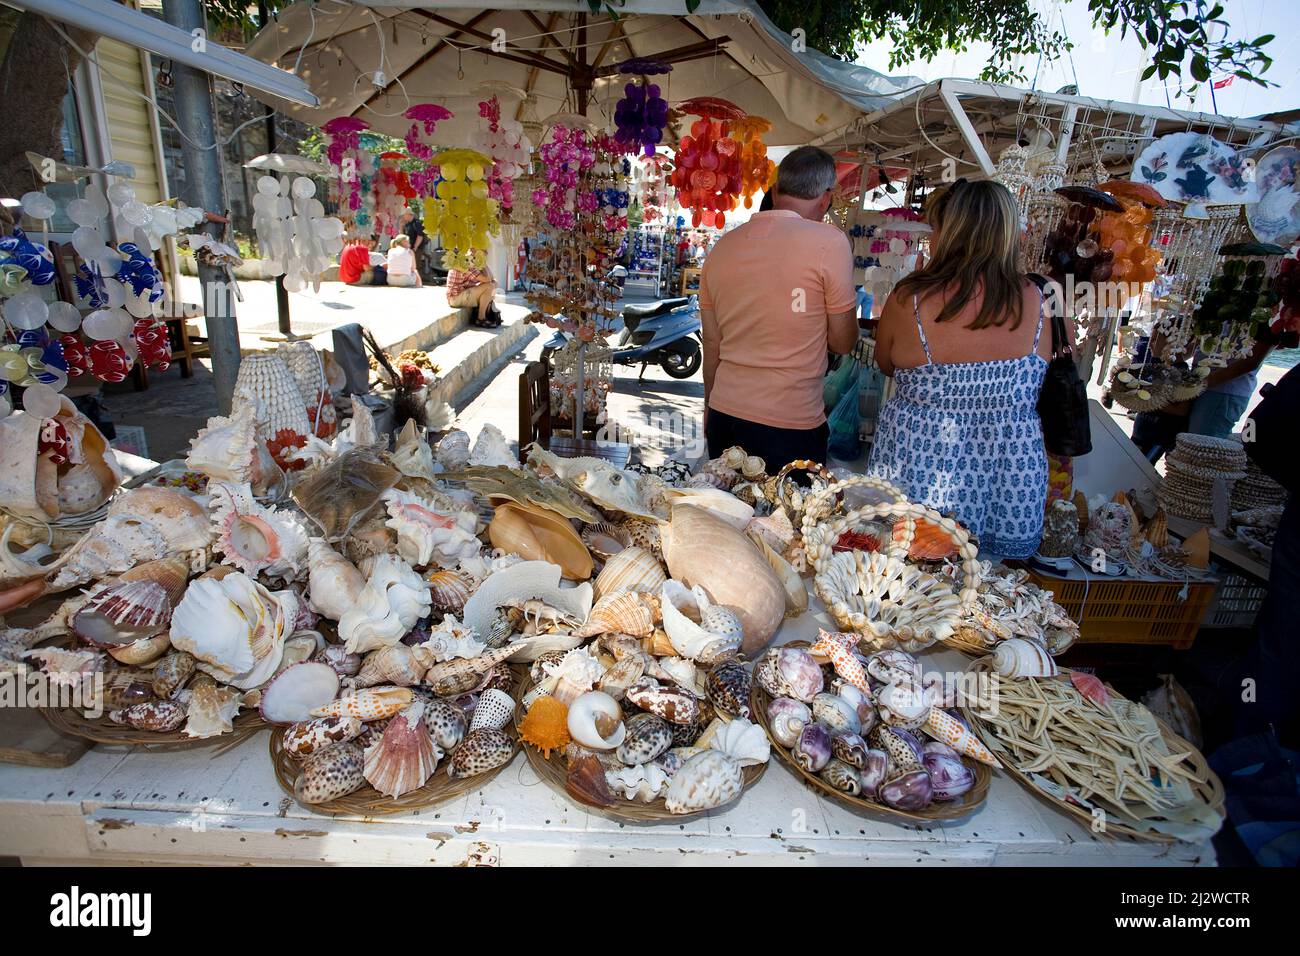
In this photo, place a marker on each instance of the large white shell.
(492, 449)
(690, 639)
(583, 714)
(392, 602)
(1018, 657)
(742, 741)
(453, 450)
(253, 538)
(234, 627)
(527, 579)
(575, 674)
(721, 504)
(224, 448)
(412, 455)
(426, 535)
(334, 583)
(451, 640)
(644, 782)
(706, 780)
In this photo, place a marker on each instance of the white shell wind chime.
(294, 233)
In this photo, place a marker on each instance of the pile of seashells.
(858, 723)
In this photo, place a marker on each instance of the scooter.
(665, 333)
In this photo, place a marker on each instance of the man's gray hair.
(806, 173)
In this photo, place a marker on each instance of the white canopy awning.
(441, 52)
(118, 22)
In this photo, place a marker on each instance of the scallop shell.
(330, 773)
(706, 780)
(674, 704)
(481, 751)
(405, 756)
(371, 703)
(643, 783)
(334, 583)
(596, 722)
(632, 569)
(647, 737)
(309, 736)
(626, 612)
(705, 551)
(426, 535)
(234, 627)
(138, 605)
(449, 590)
(253, 538)
(1018, 657)
(493, 711)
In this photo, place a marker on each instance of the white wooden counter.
(116, 806)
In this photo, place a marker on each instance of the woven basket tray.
(101, 730)
(555, 773)
(1211, 791)
(938, 812)
(440, 788)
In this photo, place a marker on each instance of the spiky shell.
(305, 738)
(160, 716)
(449, 590)
(546, 725)
(706, 780)
(330, 773)
(226, 449)
(372, 703)
(727, 685)
(647, 737)
(253, 538)
(404, 757)
(211, 708)
(427, 535)
(481, 751)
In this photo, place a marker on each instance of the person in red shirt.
(355, 267)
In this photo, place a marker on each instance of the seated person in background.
(356, 267)
(474, 287)
(401, 263)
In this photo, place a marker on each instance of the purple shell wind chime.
(343, 153)
(426, 117)
(642, 114)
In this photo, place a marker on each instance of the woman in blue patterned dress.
(962, 337)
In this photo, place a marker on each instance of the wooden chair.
(534, 407)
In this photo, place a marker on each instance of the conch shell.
(230, 449)
(334, 582)
(253, 538)
(704, 550)
(428, 536)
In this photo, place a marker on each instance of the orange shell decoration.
(546, 725)
(929, 542)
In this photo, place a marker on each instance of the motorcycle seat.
(654, 308)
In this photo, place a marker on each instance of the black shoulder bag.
(1063, 401)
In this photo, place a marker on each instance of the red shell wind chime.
(707, 177)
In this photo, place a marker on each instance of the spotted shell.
(674, 704)
(330, 773)
(309, 736)
(685, 735)
(493, 711)
(644, 534)
(647, 737)
(481, 751)
(727, 685)
(161, 716)
(842, 776)
(171, 673)
(446, 723)
(372, 703)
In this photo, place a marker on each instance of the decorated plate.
(1276, 217)
(1196, 168)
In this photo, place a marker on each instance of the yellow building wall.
(128, 117)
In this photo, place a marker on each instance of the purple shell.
(938, 747)
(850, 748)
(813, 750)
(949, 776)
(912, 741)
(872, 775)
(801, 672)
(908, 791)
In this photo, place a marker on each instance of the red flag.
(1226, 81)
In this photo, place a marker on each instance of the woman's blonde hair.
(401, 239)
(976, 251)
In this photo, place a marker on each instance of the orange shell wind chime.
(707, 176)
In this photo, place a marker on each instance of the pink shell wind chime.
(344, 154)
(424, 118)
(502, 140)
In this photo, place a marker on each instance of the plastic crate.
(1237, 602)
(1117, 611)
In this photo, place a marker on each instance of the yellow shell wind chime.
(460, 211)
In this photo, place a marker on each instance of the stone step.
(467, 355)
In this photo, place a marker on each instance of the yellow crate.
(1116, 611)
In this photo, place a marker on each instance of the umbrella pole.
(579, 394)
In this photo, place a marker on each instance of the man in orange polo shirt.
(776, 293)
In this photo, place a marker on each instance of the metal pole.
(281, 293)
(205, 188)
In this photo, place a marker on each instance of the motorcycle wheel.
(682, 359)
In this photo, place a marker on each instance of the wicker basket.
(1161, 395)
(963, 806)
(554, 771)
(101, 730)
(1211, 791)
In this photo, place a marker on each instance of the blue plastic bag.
(844, 443)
